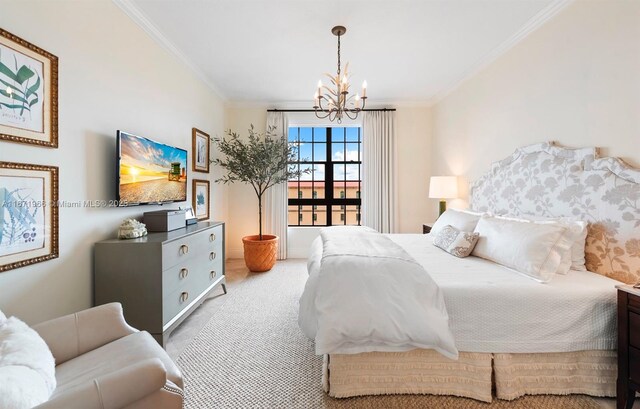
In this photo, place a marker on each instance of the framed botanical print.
(28, 92)
(28, 214)
(200, 198)
(200, 151)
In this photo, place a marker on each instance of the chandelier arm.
(321, 116)
(351, 117)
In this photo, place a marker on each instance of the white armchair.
(103, 363)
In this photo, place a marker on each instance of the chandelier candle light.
(337, 99)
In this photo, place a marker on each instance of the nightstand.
(426, 228)
(628, 345)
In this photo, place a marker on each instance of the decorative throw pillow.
(27, 367)
(456, 242)
(461, 220)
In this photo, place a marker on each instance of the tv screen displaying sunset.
(151, 172)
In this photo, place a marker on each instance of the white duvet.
(493, 309)
(368, 294)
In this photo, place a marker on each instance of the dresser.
(628, 345)
(161, 278)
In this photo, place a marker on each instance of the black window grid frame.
(328, 202)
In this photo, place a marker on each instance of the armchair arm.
(115, 390)
(84, 331)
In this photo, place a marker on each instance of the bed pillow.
(578, 229)
(455, 242)
(461, 220)
(533, 249)
(27, 367)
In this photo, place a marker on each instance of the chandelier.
(334, 102)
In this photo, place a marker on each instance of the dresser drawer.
(178, 275)
(179, 299)
(634, 329)
(214, 272)
(185, 248)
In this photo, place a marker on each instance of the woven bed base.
(587, 372)
(420, 371)
(427, 372)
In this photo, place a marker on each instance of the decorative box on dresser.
(628, 345)
(161, 278)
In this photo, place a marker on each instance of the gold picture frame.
(199, 151)
(28, 92)
(200, 198)
(28, 214)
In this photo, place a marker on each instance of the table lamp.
(443, 187)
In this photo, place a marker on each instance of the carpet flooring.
(251, 354)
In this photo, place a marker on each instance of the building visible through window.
(330, 193)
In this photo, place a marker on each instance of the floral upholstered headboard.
(552, 181)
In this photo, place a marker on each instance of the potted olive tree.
(261, 161)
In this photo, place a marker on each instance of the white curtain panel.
(378, 171)
(276, 200)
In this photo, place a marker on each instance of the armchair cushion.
(27, 374)
(110, 358)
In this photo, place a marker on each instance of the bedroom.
(470, 82)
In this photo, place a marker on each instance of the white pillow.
(578, 229)
(533, 249)
(461, 220)
(27, 368)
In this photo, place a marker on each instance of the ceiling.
(274, 51)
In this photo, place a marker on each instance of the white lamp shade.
(443, 187)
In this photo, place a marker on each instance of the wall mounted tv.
(150, 172)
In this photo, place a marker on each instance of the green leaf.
(7, 71)
(12, 106)
(32, 89)
(12, 96)
(33, 101)
(24, 73)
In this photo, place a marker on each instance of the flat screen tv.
(150, 172)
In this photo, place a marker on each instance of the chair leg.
(224, 288)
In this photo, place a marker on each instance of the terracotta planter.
(260, 255)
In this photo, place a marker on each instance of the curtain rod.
(311, 110)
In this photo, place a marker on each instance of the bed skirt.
(473, 375)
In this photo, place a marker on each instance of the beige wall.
(576, 80)
(112, 76)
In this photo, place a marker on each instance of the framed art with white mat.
(200, 151)
(28, 92)
(28, 214)
(200, 198)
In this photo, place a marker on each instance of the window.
(330, 191)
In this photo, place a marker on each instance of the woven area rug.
(251, 354)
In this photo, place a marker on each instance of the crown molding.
(533, 24)
(138, 17)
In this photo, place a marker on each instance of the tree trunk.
(260, 214)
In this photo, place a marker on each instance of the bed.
(566, 329)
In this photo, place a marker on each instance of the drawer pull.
(212, 237)
(184, 273)
(184, 296)
(212, 255)
(213, 274)
(184, 249)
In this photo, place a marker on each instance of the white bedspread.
(493, 309)
(370, 295)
